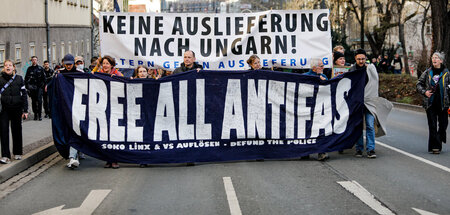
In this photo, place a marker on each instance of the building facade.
(23, 31)
(144, 6)
(220, 6)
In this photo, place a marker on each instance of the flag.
(116, 6)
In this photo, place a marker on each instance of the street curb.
(408, 107)
(15, 167)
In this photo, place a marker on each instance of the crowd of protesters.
(37, 78)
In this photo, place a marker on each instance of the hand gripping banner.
(206, 116)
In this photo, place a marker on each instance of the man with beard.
(35, 83)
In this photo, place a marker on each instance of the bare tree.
(377, 34)
(401, 20)
(440, 18)
(422, 61)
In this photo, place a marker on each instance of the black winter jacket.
(423, 84)
(15, 95)
(183, 68)
(35, 78)
(48, 75)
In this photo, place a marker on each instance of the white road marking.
(231, 196)
(415, 157)
(88, 206)
(365, 196)
(422, 212)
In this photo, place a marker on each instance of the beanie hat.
(360, 51)
(337, 55)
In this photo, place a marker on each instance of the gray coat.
(379, 107)
(423, 84)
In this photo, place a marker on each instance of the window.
(82, 47)
(63, 49)
(2, 54)
(32, 49)
(70, 48)
(18, 51)
(44, 51)
(72, 2)
(54, 52)
(76, 48)
(88, 49)
(428, 29)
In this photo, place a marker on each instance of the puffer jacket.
(15, 95)
(423, 84)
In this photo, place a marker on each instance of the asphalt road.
(395, 180)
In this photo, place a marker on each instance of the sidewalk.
(37, 145)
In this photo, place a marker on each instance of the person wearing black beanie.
(370, 92)
(337, 59)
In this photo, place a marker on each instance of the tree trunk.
(363, 11)
(401, 35)
(440, 19)
(422, 31)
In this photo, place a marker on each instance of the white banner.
(288, 39)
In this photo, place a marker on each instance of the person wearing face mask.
(69, 67)
(434, 86)
(14, 104)
(79, 63)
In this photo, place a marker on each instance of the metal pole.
(92, 28)
(47, 31)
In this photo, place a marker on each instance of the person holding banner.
(69, 66)
(338, 59)
(108, 66)
(188, 63)
(376, 109)
(317, 70)
(14, 107)
(140, 72)
(434, 86)
(108, 63)
(339, 66)
(255, 63)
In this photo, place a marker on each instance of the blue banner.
(206, 116)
